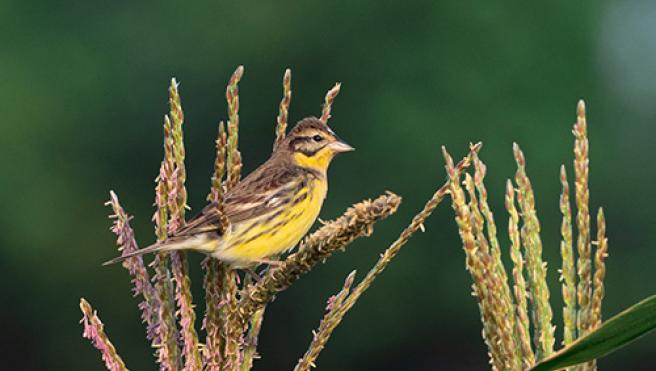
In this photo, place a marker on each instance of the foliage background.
(83, 92)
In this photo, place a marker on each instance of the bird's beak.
(339, 146)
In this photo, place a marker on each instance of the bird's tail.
(197, 243)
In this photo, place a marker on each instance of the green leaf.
(612, 335)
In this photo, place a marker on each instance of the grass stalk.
(140, 277)
(479, 175)
(330, 320)
(568, 271)
(216, 190)
(283, 115)
(232, 329)
(500, 354)
(584, 264)
(522, 323)
(234, 156)
(582, 194)
(94, 330)
(250, 345)
(506, 308)
(214, 269)
(600, 269)
(328, 102)
(536, 267)
(212, 322)
(177, 204)
(167, 349)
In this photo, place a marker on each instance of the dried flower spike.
(536, 267)
(177, 119)
(216, 191)
(522, 321)
(283, 115)
(212, 322)
(584, 264)
(568, 272)
(135, 265)
(500, 354)
(214, 269)
(168, 352)
(232, 329)
(495, 276)
(234, 157)
(177, 204)
(600, 269)
(250, 346)
(479, 175)
(330, 98)
(480, 209)
(329, 322)
(94, 331)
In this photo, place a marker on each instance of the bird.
(270, 210)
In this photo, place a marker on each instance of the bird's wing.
(207, 221)
(267, 190)
(261, 192)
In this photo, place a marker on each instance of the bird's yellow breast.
(275, 232)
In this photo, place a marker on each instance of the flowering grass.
(505, 317)
(514, 304)
(235, 306)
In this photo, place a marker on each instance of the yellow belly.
(253, 240)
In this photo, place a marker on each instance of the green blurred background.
(82, 96)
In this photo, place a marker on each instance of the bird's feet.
(253, 274)
(273, 263)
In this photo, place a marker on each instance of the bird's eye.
(317, 138)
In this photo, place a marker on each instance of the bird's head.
(313, 144)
